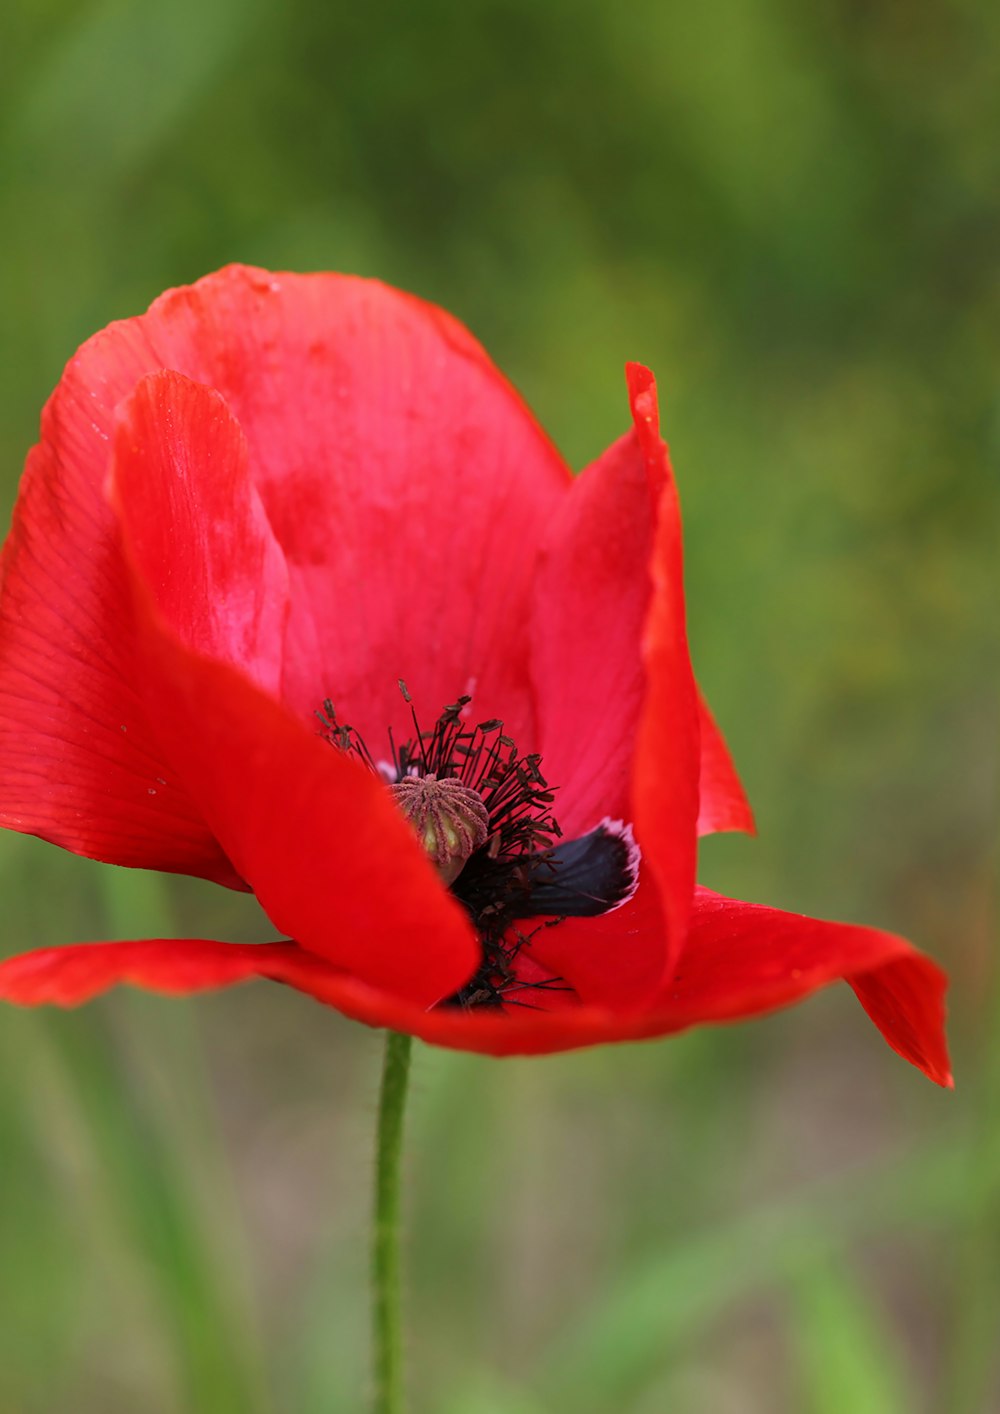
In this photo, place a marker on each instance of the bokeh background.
(791, 212)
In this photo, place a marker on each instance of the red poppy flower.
(254, 511)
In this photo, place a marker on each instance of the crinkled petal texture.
(273, 489)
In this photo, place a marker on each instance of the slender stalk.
(387, 1325)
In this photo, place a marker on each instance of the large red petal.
(317, 837)
(742, 960)
(405, 481)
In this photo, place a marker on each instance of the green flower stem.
(388, 1335)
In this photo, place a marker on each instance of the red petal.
(68, 976)
(722, 800)
(71, 975)
(317, 837)
(905, 999)
(196, 528)
(610, 662)
(406, 483)
(742, 958)
(666, 765)
(78, 764)
(591, 598)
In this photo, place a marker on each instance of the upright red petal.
(591, 598)
(591, 601)
(722, 801)
(617, 705)
(667, 761)
(317, 837)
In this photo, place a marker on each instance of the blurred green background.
(791, 212)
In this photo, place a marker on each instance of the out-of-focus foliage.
(791, 212)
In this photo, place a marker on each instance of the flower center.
(482, 811)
